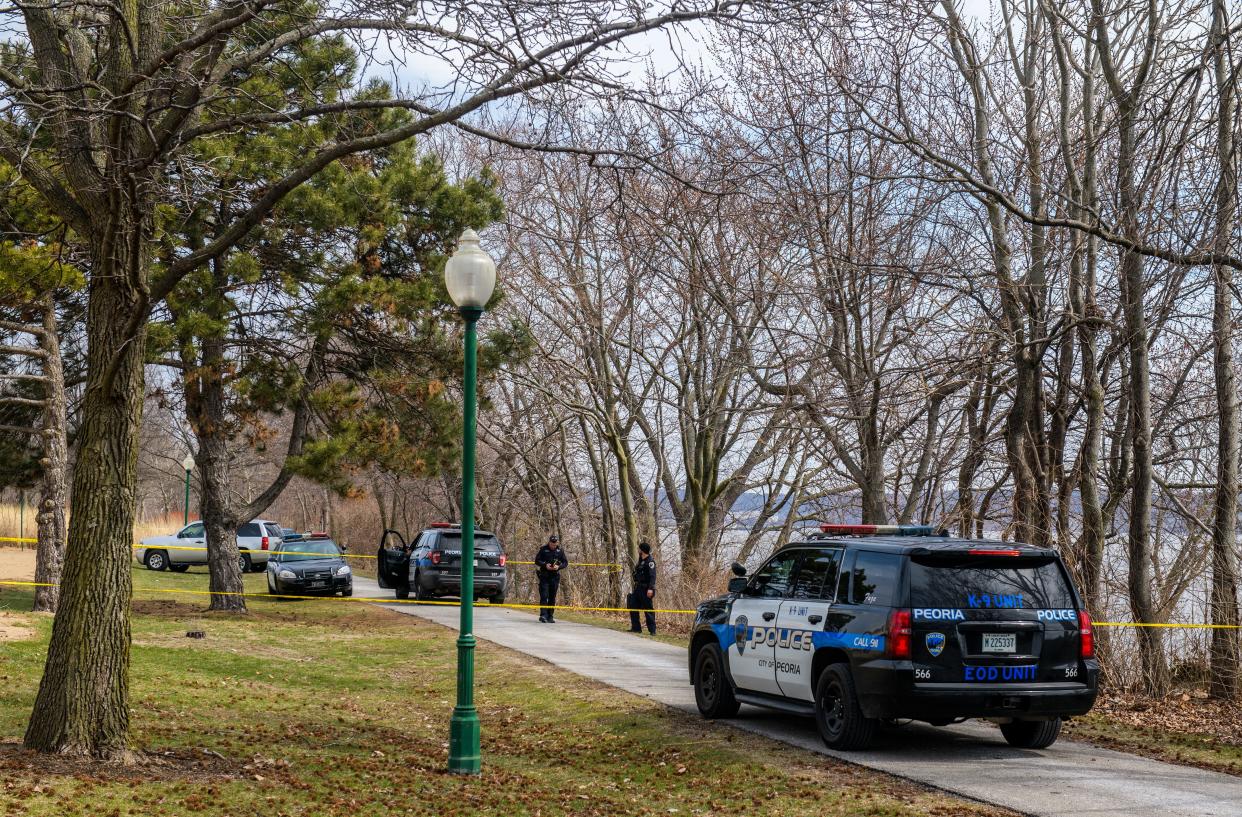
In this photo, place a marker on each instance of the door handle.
(815, 619)
(769, 616)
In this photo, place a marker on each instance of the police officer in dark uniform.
(549, 562)
(643, 596)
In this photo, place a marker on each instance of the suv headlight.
(287, 574)
(343, 570)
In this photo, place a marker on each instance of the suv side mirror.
(343, 549)
(738, 569)
(737, 585)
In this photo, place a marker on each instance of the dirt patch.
(167, 609)
(142, 767)
(17, 564)
(1185, 727)
(14, 628)
(1179, 713)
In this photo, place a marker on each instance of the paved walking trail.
(971, 760)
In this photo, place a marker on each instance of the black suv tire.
(1032, 734)
(402, 590)
(712, 691)
(837, 713)
(156, 560)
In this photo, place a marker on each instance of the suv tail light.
(435, 557)
(263, 543)
(899, 633)
(502, 560)
(1086, 636)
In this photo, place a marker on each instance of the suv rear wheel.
(1032, 734)
(837, 713)
(712, 692)
(420, 593)
(243, 562)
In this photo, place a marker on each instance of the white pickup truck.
(188, 546)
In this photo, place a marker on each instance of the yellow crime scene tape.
(1165, 625)
(612, 565)
(517, 606)
(375, 600)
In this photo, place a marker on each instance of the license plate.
(1000, 642)
(318, 584)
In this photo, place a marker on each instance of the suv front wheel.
(837, 713)
(712, 691)
(1032, 734)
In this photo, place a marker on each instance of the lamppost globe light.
(470, 273)
(188, 465)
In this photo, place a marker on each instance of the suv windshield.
(986, 583)
(310, 549)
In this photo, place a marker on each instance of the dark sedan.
(309, 567)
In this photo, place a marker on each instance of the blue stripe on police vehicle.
(745, 637)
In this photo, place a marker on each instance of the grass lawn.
(339, 708)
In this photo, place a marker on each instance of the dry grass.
(12, 523)
(324, 709)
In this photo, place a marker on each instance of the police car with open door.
(867, 623)
(430, 566)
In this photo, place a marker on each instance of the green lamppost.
(188, 465)
(470, 276)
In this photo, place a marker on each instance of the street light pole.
(188, 465)
(470, 276)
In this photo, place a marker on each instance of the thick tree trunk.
(1226, 648)
(225, 575)
(82, 706)
(207, 412)
(874, 507)
(50, 555)
(1142, 606)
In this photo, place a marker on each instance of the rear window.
(482, 541)
(249, 529)
(974, 583)
(875, 578)
(274, 530)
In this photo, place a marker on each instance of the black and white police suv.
(868, 623)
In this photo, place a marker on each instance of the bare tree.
(1226, 647)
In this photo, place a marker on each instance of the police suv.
(868, 623)
(430, 566)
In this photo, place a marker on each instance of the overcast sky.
(413, 72)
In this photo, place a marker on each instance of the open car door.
(392, 559)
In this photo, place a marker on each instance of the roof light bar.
(878, 530)
(441, 525)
